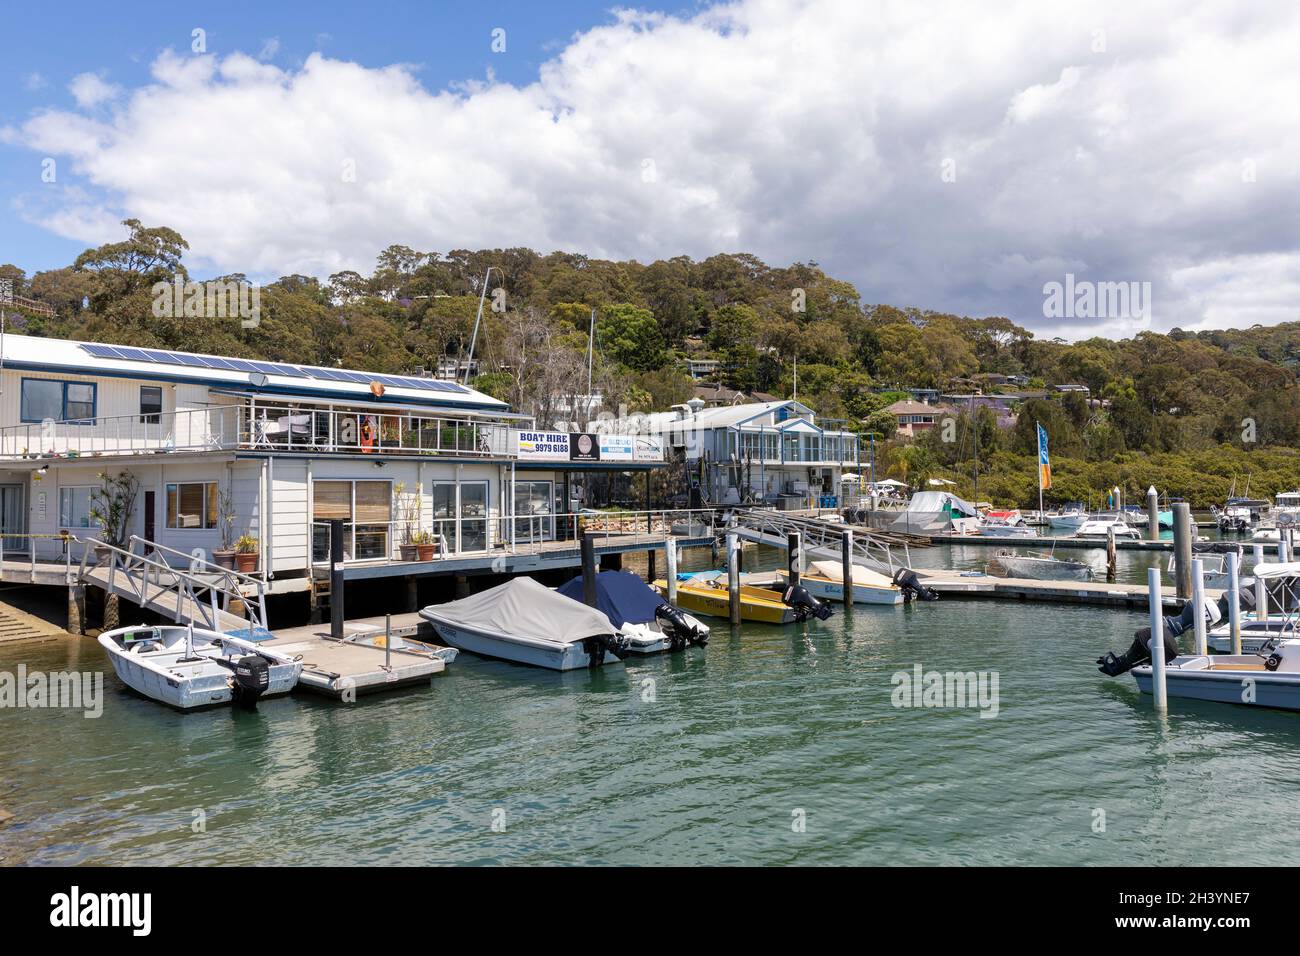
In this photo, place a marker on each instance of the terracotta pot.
(426, 551)
(101, 554)
(409, 552)
(246, 563)
(224, 559)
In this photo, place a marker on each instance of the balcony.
(259, 427)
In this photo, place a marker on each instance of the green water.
(741, 740)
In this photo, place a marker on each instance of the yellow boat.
(709, 596)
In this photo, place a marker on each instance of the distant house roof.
(907, 407)
(1073, 388)
(718, 394)
(763, 397)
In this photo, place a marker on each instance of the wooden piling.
(670, 568)
(76, 609)
(1111, 552)
(589, 568)
(733, 577)
(1183, 549)
(846, 566)
(794, 557)
(650, 565)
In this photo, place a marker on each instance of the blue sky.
(446, 43)
(930, 153)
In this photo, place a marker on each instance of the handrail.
(231, 572)
(187, 585)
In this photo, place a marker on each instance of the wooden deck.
(343, 671)
(950, 584)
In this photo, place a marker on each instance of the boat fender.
(913, 589)
(252, 678)
(804, 604)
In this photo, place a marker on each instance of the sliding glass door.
(366, 509)
(534, 510)
(462, 520)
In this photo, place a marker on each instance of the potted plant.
(246, 554)
(224, 556)
(424, 545)
(407, 514)
(111, 506)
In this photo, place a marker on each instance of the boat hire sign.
(543, 446)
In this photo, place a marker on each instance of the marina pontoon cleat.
(1139, 651)
(804, 604)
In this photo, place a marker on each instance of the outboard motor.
(678, 627)
(1139, 651)
(805, 605)
(252, 678)
(913, 589)
(596, 648)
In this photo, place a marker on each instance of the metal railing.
(254, 425)
(29, 552)
(203, 591)
(486, 535)
(875, 548)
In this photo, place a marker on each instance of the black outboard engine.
(596, 647)
(1139, 651)
(678, 628)
(805, 605)
(913, 589)
(252, 678)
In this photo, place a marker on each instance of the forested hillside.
(1189, 398)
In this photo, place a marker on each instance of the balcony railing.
(257, 427)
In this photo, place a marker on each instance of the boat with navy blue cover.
(639, 613)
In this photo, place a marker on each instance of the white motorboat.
(648, 622)
(1269, 678)
(825, 580)
(528, 623)
(1037, 566)
(188, 668)
(1101, 527)
(1066, 520)
(1254, 635)
(1005, 524)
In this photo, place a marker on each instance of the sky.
(952, 156)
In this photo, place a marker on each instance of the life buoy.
(367, 434)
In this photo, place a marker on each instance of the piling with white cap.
(1153, 514)
(733, 577)
(1198, 604)
(1157, 644)
(1234, 602)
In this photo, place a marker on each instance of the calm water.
(739, 738)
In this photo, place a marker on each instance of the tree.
(630, 336)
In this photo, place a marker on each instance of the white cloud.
(91, 89)
(795, 131)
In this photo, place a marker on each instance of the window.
(44, 398)
(150, 404)
(192, 505)
(366, 509)
(74, 508)
(534, 501)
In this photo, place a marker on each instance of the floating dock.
(953, 584)
(344, 670)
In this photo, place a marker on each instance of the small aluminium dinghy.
(528, 623)
(649, 623)
(188, 667)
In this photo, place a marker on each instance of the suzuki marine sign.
(586, 447)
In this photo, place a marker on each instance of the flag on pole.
(1044, 462)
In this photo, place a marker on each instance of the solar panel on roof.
(163, 357)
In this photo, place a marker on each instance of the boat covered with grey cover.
(527, 622)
